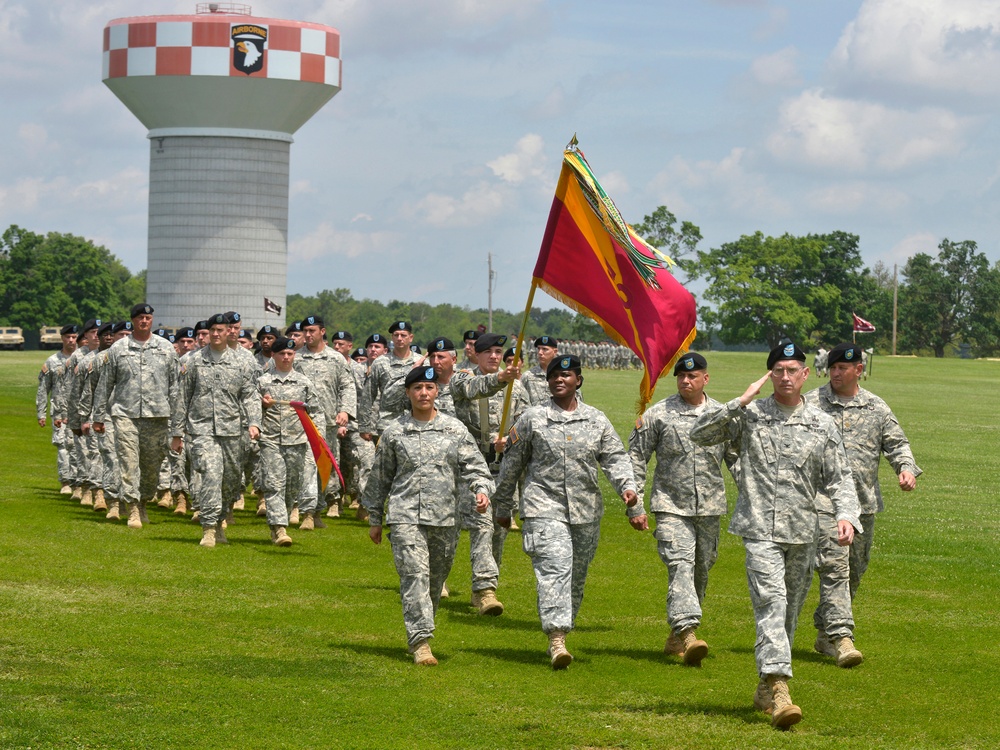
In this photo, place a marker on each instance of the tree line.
(756, 289)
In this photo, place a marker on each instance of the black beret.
(123, 325)
(375, 338)
(185, 333)
(359, 352)
(141, 309)
(91, 324)
(488, 340)
(246, 334)
(470, 335)
(689, 363)
(400, 325)
(281, 343)
(558, 364)
(313, 320)
(162, 333)
(295, 326)
(415, 349)
(510, 352)
(546, 341)
(441, 344)
(219, 319)
(420, 375)
(171, 338)
(850, 353)
(69, 328)
(267, 331)
(342, 336)
(786, 349)
(232, 317)
(108, 327)
(202, 325)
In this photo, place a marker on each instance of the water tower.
(222, 93)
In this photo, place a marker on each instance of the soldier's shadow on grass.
(392, 653)
(515, 655)
(745, 714)
(653, 655)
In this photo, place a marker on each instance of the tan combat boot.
(261, 508)
(847, 655)
(333, 511)
(695, 649)
(422, 655)
(87, 497)
(166, 499)
(824, 645)
(220, 533)
(113, 512)
(65, 490)
(559, 657)
(99, 502)
(134, 521)
(240, 504)
(182, 504)
(762, 699)
(487, 603)
(784, 713)
(674, 645)
(444, 590)
(354, 504)
(293, 517)
(307, 522)
(77, 493)
(280, 537)
(195, 517)
(208, 537)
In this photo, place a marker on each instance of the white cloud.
(615, 183)
(941, 47)
(850, 198)
(527, 160)
(130, 187)
(33, 136)
(817, 130)
(478, 204)
(920, 242)
(326, 241)
(779, 69)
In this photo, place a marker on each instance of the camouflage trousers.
(217, 461)
(778, 576)
(163, 475)
(178, 470)
(423, 557)
(485, 569)
(357, 457)
(112, 478)
(194, 478)
(282, 470)
(840, 570)
(141, 445)
(63, 444)
(249, 463)
(95, 467)
(689, 547)
(560, 555)
(77, 459)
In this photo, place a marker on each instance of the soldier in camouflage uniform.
(469, 339)
(688, 498)
(870, 429)
(479, 396)
(102, 467)
(356, 454)
(218, 388)
(534, 380)
(50, 383)
(84, 446)
(337, 395)
(425, 464)
(561, 506)
(283, 442)
(789, 452)
(137, 386)
(384, 399)
(266, 337)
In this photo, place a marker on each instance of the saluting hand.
(754, 390)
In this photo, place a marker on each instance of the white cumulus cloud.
(527, 160)
(328, 241)
(778, 69)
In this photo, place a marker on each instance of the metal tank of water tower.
(221, 93)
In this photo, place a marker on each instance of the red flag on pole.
(593, 262)
(862, 326)
(325, 462)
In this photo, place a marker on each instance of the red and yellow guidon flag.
(593, 262)
(326, 464)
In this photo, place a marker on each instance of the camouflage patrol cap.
(69, 328)
(850, 353)
(786, 349)
(562, 364)
(141, 309)
(689, 363)
(489, 340)
(420, 375)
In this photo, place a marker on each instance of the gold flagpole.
(517, 358)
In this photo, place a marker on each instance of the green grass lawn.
(119, 638)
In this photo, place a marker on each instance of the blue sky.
(877, 117)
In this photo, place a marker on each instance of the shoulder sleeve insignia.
(638, 423)
(45, 369)
(514, 437)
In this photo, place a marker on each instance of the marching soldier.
(51, 381)
(83, 445)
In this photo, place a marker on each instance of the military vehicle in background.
(49, 337)
(12, 338)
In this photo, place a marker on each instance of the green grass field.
(119, 638)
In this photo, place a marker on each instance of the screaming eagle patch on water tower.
(249, 43)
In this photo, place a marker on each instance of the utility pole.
(489, 286)
(895, 306)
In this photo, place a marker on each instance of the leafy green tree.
(660, 230)
(951, 299)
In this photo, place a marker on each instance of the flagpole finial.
(571, 146)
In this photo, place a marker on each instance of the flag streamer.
(326, 464)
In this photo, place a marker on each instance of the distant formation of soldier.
(189, 422)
